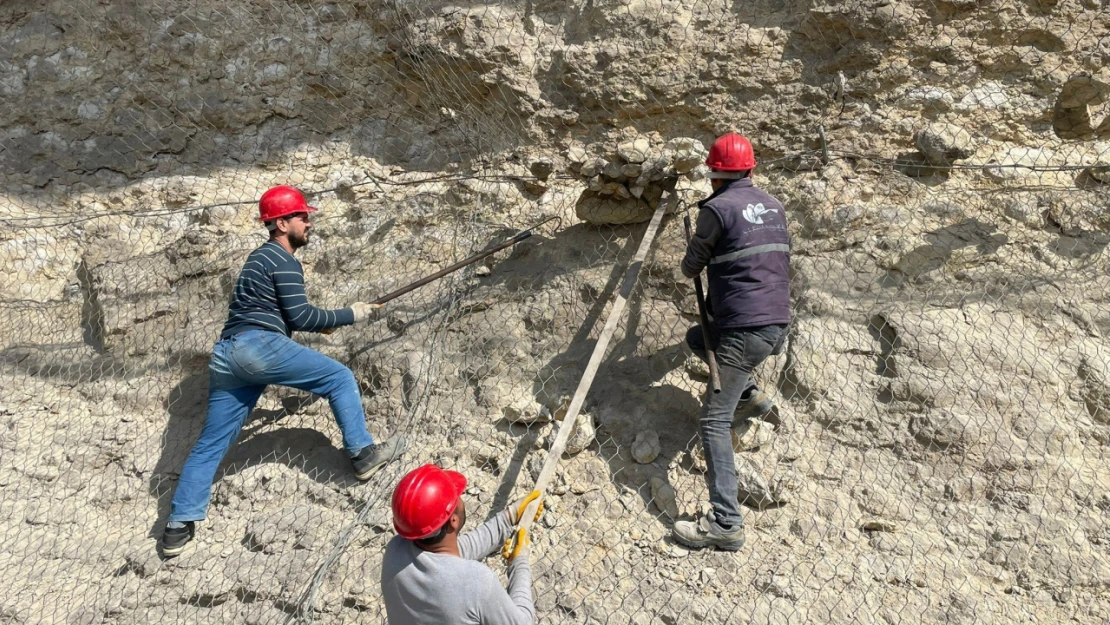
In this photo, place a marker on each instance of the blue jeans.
(739, 351)
(240, 369)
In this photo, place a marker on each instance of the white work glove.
(362, 310)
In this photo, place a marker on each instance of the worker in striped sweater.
(255, 350)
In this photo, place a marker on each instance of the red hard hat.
(424, 500)
(282, 201)
(731, 152)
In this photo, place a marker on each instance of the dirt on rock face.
(937, 452)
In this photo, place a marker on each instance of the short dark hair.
(435, 538)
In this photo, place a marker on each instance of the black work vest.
(749, 273)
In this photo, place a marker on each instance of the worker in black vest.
(743, 244)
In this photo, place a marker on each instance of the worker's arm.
(512, 607)
(700, 248)
(299, 315)
(487, 538)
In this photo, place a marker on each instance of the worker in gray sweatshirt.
(431, 574)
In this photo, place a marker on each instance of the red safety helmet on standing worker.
(282, 201)
(424, 500)
(730, 153)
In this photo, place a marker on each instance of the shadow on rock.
(942, 243)
(306, 449)
(1079, 246)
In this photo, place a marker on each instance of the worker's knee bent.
(716, 417)
(694, 338)
(343, 380)
(696, 342)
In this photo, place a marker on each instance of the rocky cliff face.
(937, 453)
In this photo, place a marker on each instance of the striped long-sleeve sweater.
(269, 295)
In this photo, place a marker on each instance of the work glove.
(362, 310)
(516, 509)
(517, 545)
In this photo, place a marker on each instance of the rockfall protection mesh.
(937, 453)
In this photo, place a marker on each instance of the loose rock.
(542, 168)
(646, 447)
(753, 488)
(626, 186)
(525, 410)
(1101, 174)
(697, 368)
(664, 497)
(752, 434)
(634, 151)
(583, 434)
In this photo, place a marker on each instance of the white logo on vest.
(754, 212)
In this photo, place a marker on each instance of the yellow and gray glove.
(518, 543)
(516, 509)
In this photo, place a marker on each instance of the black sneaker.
(373, 456)
(174, 539)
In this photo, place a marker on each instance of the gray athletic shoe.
(706, 533)
(373, 456)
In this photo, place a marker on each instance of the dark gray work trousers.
(739, 351)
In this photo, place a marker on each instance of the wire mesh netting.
(937, 450)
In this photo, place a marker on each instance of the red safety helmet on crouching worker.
(731, 152)
(281, 202)
(424, 500)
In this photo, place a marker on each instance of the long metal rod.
(470, 260)
(567, 426)
(516, 238)
(711, 354)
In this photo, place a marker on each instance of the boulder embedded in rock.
(989, 95)
(1024, 208)
(928, 99)
(1017, 163)
(542, 168)
(1094, 377)
(943, 429)
(292, 527)
(606, 209)
(944, 144)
